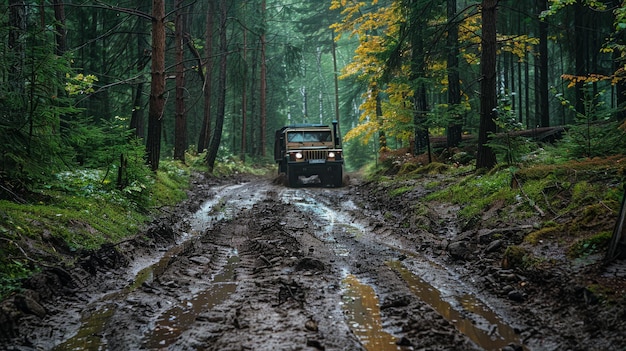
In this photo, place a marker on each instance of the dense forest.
(116, 86)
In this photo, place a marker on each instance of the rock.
(459, 250)
(512, 347)
(311, 325)
(404, 342)
(29, 305)
(507, 289)
(493, 246)
(310, 264)
(315, 343)
(516, 295)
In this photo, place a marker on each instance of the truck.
(307, 150)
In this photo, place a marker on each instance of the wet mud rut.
(264, 267)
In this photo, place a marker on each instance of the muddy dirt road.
(258, 266)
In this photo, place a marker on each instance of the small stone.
(311, 325)
(315, 343)
(493, 246)
(30, 306)
(516, 295)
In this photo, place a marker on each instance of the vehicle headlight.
(298, 155)
(331, 155)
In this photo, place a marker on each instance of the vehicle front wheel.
(292, 178)
(338, 177)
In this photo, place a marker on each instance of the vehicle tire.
(292, 178)
(338, 177)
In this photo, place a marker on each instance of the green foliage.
(359, 154)
(589, 246)
(13, 273)
(594, 134)
(79, 210)
(519, 257)
(508, 147)
(35, 116)
(399, 191)
(476, 192)
(171, 181)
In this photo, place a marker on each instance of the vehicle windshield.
(308, 136)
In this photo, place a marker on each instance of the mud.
(253, 265)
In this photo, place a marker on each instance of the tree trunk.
(579, 53)
(486, 158)
(205, 129)
(157, 85)
(542, 84)
(263, 86)
(136, 120)
(180, 129)
(59, 27)
(221, 98)
(244, 98)
(454, 81)
(17, 29)
(418, 72)
(336, 81)
(618, 63)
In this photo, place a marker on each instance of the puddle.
(484, 327)
(330, 221)
(362, 311)
(176, 320)
(89, 337)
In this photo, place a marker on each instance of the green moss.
(399, 191)
(80, 212)
(475, 193)
(591, 245)
(518, 257)
(543, 233)
(432, 168)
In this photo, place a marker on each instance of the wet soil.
(249, 264)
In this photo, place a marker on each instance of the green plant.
(588, 246)
(506, 144)
(593, 134)
(399, 191)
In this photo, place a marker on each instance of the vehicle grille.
(315, 154)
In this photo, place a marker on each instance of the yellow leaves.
(371, 28)
(364, 130)
(590, 78)
(518, 45)
(80, 84)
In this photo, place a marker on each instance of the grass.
(83, 209)
(77, 212)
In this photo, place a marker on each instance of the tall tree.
(142, 57)
(17, 31)
(263, 80)
(454, 83)
(180, 132)
(486, 157)
(221, 87)
(207, 68)
(542, 83)
(157, 85)
(244, 98)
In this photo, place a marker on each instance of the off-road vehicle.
(307, 150)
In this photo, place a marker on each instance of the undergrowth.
(82, 209)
